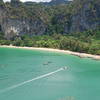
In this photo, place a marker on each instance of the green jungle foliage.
(85, 42)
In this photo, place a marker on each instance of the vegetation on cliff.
(74, 26)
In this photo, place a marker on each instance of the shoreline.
(81, 55)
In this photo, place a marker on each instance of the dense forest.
(74, 26)
(84, 42)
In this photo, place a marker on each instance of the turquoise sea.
(81, 81)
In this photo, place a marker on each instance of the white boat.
(65, 68)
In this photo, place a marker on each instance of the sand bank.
(82, 55)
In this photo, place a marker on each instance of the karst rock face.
(15, 3)
(16, 24)
(2, 16)
(19, 27)
(14, 21)
(87, 17)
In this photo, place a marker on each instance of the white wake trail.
(28, 81)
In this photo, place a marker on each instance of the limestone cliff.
(17, 19)
(87, 16)
(16, 22)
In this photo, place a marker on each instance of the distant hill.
(53, 2)
(57, 2)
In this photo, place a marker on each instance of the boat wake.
(28, 81)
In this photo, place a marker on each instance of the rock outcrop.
(2, 15)
(15, 3)
(14, 23)
(87, 17)
(18, 27)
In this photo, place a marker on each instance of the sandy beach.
(82, 55)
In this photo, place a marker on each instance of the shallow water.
(80, 82)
